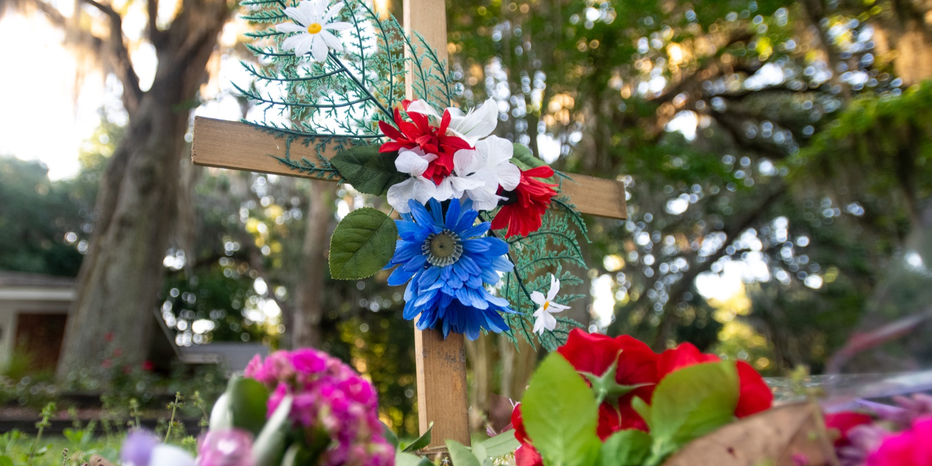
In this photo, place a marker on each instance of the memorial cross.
(441, 364)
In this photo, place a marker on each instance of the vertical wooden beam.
(441, 364)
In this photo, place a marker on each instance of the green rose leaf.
(389, 435)
(247, 401)
(690, 403)
(368, 170)
(561, 415)
(626, 448)
(461, 455)
(502, 444)
(362, 244)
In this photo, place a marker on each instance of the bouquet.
(299, 407)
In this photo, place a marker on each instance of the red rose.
(844, 422)
(636, 365)
(754, 396)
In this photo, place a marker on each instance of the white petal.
(508, 176)
(308, 10)
(496, 150)
(555, 308)
(298, 15)
(170, 455)
(290, 27)
(411, 162)
(331, 41)
(295, 42)
(399, 194)
(462, 184)
(422, 107)
(477, 123)
(320, 10)
(424, 189)
(544, 322)
(332, 12)
(465, 162)
(554, 288)
(538, 298)
(483, 199)
(319, 48)
(337, 26)
(444, 190)
(307, 42)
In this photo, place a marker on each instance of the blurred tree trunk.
(906, 31)
(137, 205)
(309, 296)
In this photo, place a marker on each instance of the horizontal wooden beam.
(235, 145)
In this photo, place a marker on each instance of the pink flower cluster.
(329, 398)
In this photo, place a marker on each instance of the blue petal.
(411, 231)
(415, 264)
(467, 204)
(475, 246)
(400, 277)
(474, 281)
(436, 211)
(490, 276)
(466, 220)
(497, 247)
(428, 277)
(476, 230)
(453, 214)
(471, 267)
(502, 264)
(421, 215)
(460, 269)
(405, 250)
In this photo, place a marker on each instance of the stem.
(352, 76)
(172, 421)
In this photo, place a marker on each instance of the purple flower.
(137, 448)
(225, 448)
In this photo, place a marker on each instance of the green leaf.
(502, 444)
(460, 455)
(408, 459)
(6, 461)
(362, 244)
(298, 455)
(248, 400)
(269, 447)
(368, 170)
(481, 455)
(525, 159)
(690, 403)
(561, 415)
(626, 448)
(221, 416)
(421, 441)
(389, 435)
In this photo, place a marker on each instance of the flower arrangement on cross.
(483, 233)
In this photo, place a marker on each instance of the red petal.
(755, 395)
(543, 171)
(684, 355)
(526, 455)
(844, 422)
(590, 352)
(390, 131)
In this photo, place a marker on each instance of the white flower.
(544, 314)
(477, 174)
(313, 23)
(478, 123)
(170, 455)
(413, 162)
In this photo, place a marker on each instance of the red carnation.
(419, 134)
(755, 396)
(524, 210)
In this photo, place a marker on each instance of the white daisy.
(413, 162)
(544, 314)
(314, 26)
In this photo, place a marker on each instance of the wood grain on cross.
(441, 364)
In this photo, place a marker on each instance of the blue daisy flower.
(446, 261)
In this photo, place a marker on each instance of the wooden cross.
(441, 364)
